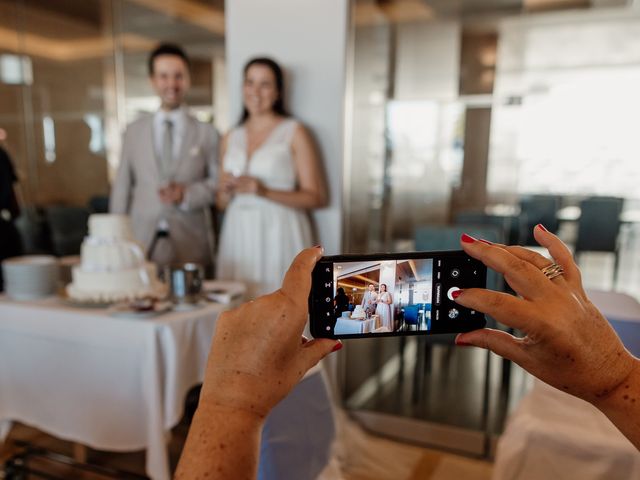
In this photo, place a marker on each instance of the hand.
(568, 343)
(228, 183)
(247, 184)
(258, 353)
(172, 193)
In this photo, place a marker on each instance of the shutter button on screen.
(450, 292)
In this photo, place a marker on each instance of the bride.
(384, 307)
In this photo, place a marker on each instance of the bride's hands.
(248, 184)
(567, 342)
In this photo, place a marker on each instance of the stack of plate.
(30, 277)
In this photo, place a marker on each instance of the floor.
(365, 457)
(446, 389)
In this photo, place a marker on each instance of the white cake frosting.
(113, 266)
(358, 312)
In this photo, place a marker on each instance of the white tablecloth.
(109, 383)
(554, 435)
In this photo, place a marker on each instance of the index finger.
(297, 281)
(521, 275)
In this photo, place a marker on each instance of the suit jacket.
(369, 296)
(135, 190)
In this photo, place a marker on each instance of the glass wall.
(566, 106)
(73, 74)
(464, 107)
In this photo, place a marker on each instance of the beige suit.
(135, 190)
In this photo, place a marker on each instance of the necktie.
(167, 150)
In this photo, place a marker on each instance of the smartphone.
(359, 296)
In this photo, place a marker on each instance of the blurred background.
(491, 116)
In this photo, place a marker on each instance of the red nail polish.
(337, 346)
(541, 227)
(456, 293)
(485, 241)
(461, 343)
(467, 238)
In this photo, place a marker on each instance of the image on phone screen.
(403, 294)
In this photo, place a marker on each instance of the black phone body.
(381, 295)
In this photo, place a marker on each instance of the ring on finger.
(552, 271)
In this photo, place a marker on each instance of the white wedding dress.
(260, 238)
(384, 310)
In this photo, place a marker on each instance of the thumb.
(315, 350)
(499, 342)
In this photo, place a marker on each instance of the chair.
(99, 204)
(535, 209)
(599, 227)
(511, 226)
(35, 232)
(410, 317)
(68, 228)
(437, 237)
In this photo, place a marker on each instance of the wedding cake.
(358, 312)
(113, 266)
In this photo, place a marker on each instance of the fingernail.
(541, 227)
(461, 343)
(337, 346)
(485, 241)
(317, 246)
(467, 238)
(456, 293)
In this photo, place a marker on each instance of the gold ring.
(552, 271)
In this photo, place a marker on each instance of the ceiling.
(68, 30)
(376, 11)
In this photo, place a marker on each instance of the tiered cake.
(358, 313)
(113, 266)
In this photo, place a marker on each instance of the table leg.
(80, 453)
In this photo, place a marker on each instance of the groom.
(369, 300)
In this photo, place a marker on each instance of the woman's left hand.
(568, 343)
(248, 184)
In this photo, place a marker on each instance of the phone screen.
(355, 296)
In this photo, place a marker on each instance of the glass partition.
(73, 74)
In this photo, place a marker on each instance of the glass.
(74, 75)
(15, 85)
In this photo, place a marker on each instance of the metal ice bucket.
(185, 282)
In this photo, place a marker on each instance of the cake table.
(109, 383)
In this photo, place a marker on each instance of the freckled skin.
(258, 355)
(567, 342)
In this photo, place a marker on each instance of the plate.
(125, 310)
(79, 304)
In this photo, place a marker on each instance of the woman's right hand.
(568, 343)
